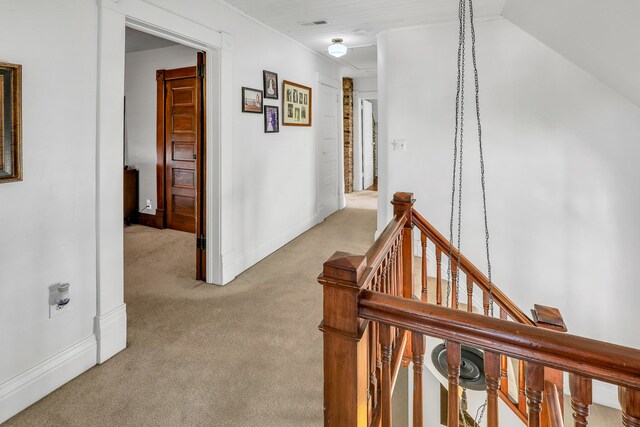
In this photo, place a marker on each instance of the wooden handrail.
(599, 360)
(376, 253)
(465, 265)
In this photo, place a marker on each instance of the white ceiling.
(356, 21)
(601, 37)
(136, 41)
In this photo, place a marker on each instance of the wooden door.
(181, 176)
(182, 133)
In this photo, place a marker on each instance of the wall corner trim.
(35, 383)
(111, 332)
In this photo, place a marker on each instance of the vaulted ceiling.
(357, 22)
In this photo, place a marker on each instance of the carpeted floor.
(247, 354)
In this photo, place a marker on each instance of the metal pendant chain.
(459, 131)
(458, 144)
(482, 180)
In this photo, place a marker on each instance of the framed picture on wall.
(251, 100)
(10, 122)
(296, 104)
(270, 84)
(271, 119)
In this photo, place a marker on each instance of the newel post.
(403, 202)
(345, 342)
(550, 318)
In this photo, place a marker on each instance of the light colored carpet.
(247, 354)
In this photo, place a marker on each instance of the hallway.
(246, 354)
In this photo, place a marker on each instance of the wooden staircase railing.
(371, 319)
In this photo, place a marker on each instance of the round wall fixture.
(337, 49)
(472, 374)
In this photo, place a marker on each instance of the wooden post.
(581, 398)
(453, 366)
(550, 318)
(418, 346)
(492, 370)
(345, 342)
(403, 203)
(630, 403)
(535, 386)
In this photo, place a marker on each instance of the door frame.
(114, 16)
(358, 97)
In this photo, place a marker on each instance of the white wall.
(561, 153)
(50, 218)
(47, 221)
(140, 91)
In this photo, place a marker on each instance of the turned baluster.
(492, 371)
(438, 276)
(423, 241)
(554, 411)
(418, 346)
(534, 389)
(454, 284)
(486, 302)
(469, 294)
(504, 378)
(629, 399)
(453, 366)
(385, 386)
(581, 398)
(373, 362)
(522, 400)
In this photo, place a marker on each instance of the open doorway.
(369, 141)
(164, 150)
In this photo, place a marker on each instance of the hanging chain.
(458, 129)
(457, 167)
(482, 180)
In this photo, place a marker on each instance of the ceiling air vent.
(314, 23)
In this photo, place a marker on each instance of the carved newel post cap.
(402, 197)
(345, 267)
(548, 317)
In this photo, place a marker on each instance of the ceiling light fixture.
(337, 49)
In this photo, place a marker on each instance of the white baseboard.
(239, 262)
(33, 384)
(111, 333)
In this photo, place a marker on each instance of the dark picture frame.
(271, 119)
(252, 100)
(270, 83)
(296, 104)
(10, 122)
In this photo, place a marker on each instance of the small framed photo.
(271, 119)
(270, 84)
(251, 100)
(10, 122)
(296, 104)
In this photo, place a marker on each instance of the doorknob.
(194, 156)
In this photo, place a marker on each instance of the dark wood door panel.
(182, 133)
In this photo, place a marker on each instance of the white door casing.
(367, 144)
(114, 17)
